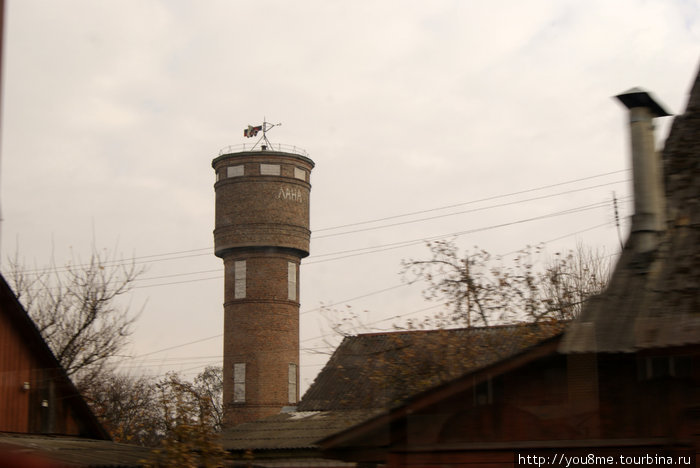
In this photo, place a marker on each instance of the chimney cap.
(639, 97)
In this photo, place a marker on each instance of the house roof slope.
(73, 451)
(380, 370)
(293, 430)
(653, 298)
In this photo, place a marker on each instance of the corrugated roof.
(380, 370)
(294, 430)
(74, 451)
(653, 299)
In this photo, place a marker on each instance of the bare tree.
(148, 411)
(76, 310)
(188, 423)
(482, 291)
(209, 386)
(126, 406)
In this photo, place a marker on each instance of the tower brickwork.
(261, 233)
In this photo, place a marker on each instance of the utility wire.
(483, 208)
(402, 244)
(372, 293)
(176, 255)
(495, 197)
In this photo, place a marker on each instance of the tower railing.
(256, 147)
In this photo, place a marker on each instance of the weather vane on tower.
(252, 131)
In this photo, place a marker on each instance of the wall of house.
(565, 398)
(30, 400)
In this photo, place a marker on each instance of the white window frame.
(239, 279)
(292, 281)
(235, 171)
(239, 382)
(270, 169)
(292, 383)
(300, 173)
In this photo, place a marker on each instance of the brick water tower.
(261, 233)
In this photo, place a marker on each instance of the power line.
(470, 202)
(401, 244)
(516, 202)
(146, 259)
(372, 293)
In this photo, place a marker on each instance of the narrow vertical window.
(239, 279)
(483, 393)
(239, 382)
(292, 383)
(292, 281)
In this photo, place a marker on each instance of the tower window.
(292, 281)
(299, 173)
(234, 171)
(292, 383)
(239, 382)
(270, 169)
(239, 279)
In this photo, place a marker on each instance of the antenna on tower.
(252, 131)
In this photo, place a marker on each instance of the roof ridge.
(432, 330)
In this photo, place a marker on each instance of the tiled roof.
(653, 299)
(380, 370)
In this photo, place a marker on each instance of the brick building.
(262, 233)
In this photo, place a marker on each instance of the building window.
(239, 382)
(300, 173)
(656, 367)
(483, 393)
(270, 169)
(234, 171)
(292, 383)
(292, 281)
(239, 279)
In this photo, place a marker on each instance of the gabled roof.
(370, 373)
(373, 432)
(652, 300)
(379, 370)
(31, 337)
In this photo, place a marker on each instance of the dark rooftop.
(379, 370)
(653, 298)
(295, 430)
(71, 451)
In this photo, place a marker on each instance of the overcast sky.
(113, 111)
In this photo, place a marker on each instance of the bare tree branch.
(481, 293)
(75, 308)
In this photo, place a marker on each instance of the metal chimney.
(649, 217)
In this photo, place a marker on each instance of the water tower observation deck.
(262, 199)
